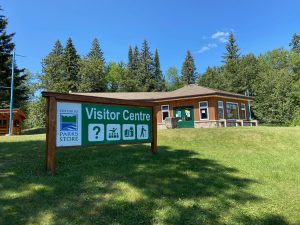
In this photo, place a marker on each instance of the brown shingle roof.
(14, 111)
(191, 90)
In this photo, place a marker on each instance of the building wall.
(15, 130)
(212, 109)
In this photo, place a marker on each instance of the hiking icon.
(142, 131)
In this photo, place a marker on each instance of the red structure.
(18, 118)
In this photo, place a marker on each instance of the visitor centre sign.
(91, 124)
(80, 120)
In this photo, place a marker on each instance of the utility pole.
(11, 92)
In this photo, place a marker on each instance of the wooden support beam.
(51, 135)
(154, 131)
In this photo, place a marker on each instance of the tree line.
(272, 78)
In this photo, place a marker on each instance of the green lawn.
(199, 176)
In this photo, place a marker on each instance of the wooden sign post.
(80, 120)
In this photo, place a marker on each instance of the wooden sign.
(78, 120)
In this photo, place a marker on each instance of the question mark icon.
(97, 132)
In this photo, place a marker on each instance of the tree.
(53, 77)
(272, 88)
(92, 70)
(146, 77)
(159, 79)
(295, 43)
(130, 82)
(188, 70)
(173, 79)
(246, 74)
(71, 64)
(36, 111)
(116, 76)
(232, 49)
(231, 65)
(6, 49)
(212, 78)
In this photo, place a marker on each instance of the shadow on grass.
(118, 185)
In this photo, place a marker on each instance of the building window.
(232, 110)
(221, 109)
(203, 109)
(164, 112)
(243, 108)
(3, 123)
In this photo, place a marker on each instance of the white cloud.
(207, 47)
(221, 36)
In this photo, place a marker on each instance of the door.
(185, 116)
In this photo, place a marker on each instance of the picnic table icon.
(113, 133)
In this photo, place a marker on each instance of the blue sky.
(172, 27)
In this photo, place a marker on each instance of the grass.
(199, 176)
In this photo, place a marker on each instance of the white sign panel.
(68, 128)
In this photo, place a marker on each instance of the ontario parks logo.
(68, 121)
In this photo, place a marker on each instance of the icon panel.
(96, 132)
(142, 132)
(113, 132)
(128, 131)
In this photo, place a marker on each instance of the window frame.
(222, 110)
(201, 107)
(244, 111)
(164, 110)
(3, 124)
(238, 110)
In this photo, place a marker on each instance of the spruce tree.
(96, 51)
(130, 58)
(295, 43)
(53, 76)
(6, 49)
(146, 75)
(232, 50)
(159, 80)
(231, 66)
(188, 71)
(92, 76)
(130, 80)
(71, 63)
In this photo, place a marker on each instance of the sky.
(171, 26)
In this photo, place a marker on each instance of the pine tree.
(232, 50)
(231, 66)
(188, 71)
(71, 63)
(96, 51)
(130, 58)
(159, 80)
(53, 76)
(130, 83)
(295, 43)
(6, 49)
(92, 70)
(146, 75)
